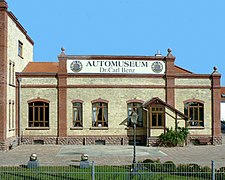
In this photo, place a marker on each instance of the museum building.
(87, 100)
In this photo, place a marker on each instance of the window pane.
(186, 109)
(47, 115)
(75, 113)
(201, 123)
(30, 113)
(20, 48)
(201, 114)
(41, 113)
(154, 119)
(99, 114)
(77, 104)
(105, 114)
(36, 114)
(196, 113)
(140, 117)
(160, 120)
(191, 114)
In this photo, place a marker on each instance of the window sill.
(99, 128)
(12, 129)
(38, 128)
(12, 85)
(20, 56)
(127, 128)
(159, 127)
(196, 127)
(76, 128)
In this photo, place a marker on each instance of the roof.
(41, 67)
(180, 70)
(157, 100)
(222, 92)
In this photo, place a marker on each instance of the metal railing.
(143, 171)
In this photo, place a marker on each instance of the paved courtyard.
(113, 155)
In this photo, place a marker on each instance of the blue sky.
(193, 29)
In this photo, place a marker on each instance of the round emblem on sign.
(157, 67)
(76, 66)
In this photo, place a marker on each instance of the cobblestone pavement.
(112, 155)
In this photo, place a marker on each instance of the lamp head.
(134, 117)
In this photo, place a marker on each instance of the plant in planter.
(174, 138)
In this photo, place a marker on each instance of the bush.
(153, 165)
(148, 161)
(173, 138)
(206, 169)
(182, 168)
(194, 168)
(168, 166)
(222, 169)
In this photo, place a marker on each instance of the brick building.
(88, 99)
(16, 50)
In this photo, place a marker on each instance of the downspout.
(148, 129)
(19, 120)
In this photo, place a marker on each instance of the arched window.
(38, 113)
(195, 112)
(77, 113)
(100, 113)
(136, 106)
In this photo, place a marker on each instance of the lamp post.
(134, 117)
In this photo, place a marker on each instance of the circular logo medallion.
(76, 66)
(157, 67)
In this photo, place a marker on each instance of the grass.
(77, 173)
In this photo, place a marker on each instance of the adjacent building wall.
(11, 32)
(15, 63)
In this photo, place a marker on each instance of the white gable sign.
(115, 66)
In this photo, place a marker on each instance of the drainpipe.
(19, 120)
(148, 129)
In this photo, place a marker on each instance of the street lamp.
(134, 117)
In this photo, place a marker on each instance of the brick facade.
(53, 83)
(3, 73)
(174, 88)
(11, 33)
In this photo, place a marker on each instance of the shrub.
(221, 169)
(168, 166)
(153, 165)
(194, 168)
(148, 161)
(182, 168)
(173, 138)
(206, 169)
